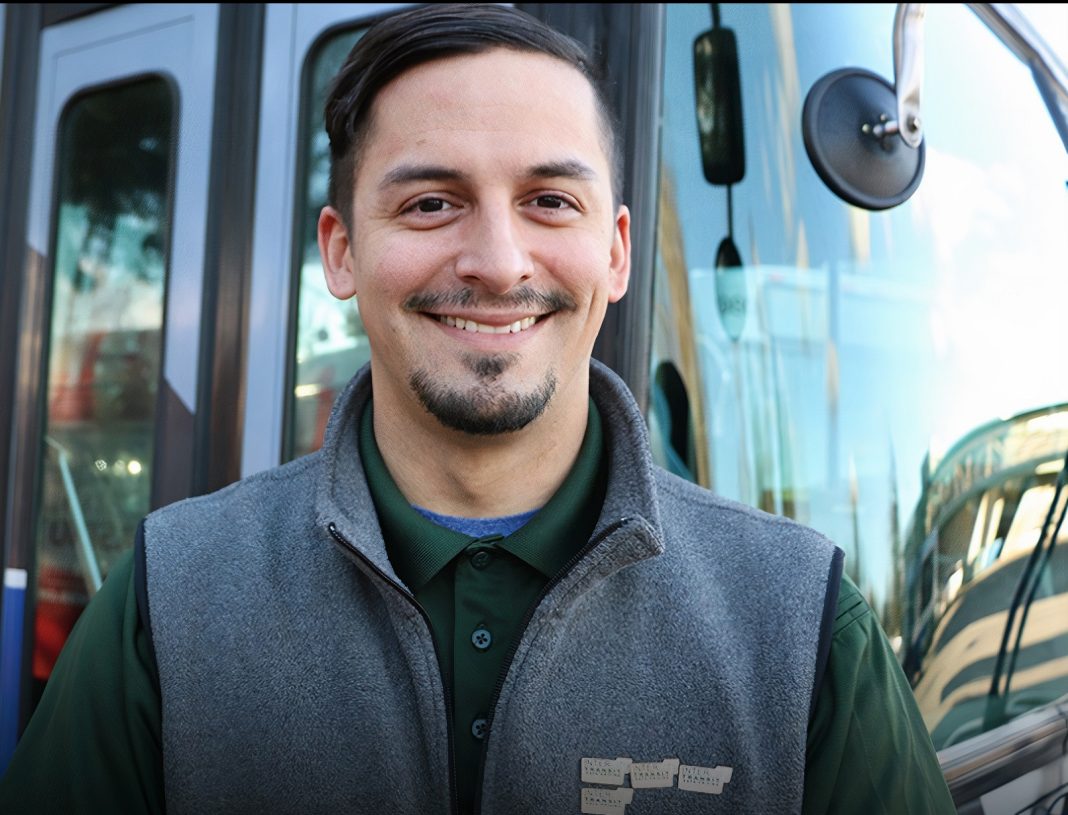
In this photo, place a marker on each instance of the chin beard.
(484, 409)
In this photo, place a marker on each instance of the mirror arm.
(1020, 37)
(908, 72)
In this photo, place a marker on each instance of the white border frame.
(290, 31)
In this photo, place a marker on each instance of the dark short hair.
(427, 33)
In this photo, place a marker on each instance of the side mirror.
(854, 143)
(863, 135)
(719, 106)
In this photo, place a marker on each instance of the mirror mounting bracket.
(908, 72)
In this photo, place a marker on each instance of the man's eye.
(429, 205)
(550, 202)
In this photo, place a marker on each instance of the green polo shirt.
(478, 591)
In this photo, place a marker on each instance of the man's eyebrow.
(408, 173)
(566, 168)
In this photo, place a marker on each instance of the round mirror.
(843, 123)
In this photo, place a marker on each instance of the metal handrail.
(84, 546)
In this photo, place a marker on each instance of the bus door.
(111, 316)
(303, 345)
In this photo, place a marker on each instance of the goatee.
(486, 408)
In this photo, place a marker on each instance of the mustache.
(522, 297)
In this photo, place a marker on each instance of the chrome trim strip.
(993, 759)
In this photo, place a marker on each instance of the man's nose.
(495, 253)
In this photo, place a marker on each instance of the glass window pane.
(330, 344)
(110, 248)
(856, 370)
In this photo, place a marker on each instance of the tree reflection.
(116, 153)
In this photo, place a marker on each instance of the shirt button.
(481, 638)
(481, 559)
(478, 728)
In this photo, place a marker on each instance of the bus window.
(329, 343)
(114, 170)
(836, 361)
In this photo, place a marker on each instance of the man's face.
(485, 246)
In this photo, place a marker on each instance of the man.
(480, 595)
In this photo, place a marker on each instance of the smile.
(482, 328)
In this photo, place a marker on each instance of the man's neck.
(455, 473)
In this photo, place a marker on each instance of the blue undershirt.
(479, 527)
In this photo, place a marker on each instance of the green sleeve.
(868, 748)
(93, 744)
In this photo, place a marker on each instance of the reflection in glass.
(110, 246)
(830, 372)
(975, 537)
(330, 341)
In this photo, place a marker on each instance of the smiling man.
(486, 246)
(480, 595)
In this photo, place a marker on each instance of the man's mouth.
(483, 328)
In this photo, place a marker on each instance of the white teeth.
(471, 325)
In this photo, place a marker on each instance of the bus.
(846, 306)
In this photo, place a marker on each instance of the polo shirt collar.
(419, 548)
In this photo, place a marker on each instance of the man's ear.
(619, 257)
(334, 246)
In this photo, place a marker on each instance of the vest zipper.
(454, 803)
(514, 646)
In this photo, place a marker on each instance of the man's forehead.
(502, 57)
(431, 121)
(466, 83)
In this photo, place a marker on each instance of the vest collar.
(343, 499)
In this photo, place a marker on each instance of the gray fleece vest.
(297, 674)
